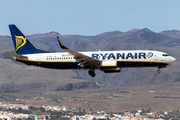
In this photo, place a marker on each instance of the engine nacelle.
(108, 65)
(113, 71)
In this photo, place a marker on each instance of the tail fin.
(21, 43)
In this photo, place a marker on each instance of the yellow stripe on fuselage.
(105, 65)
(108, 65)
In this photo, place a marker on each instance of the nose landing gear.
(158, 71)
(92, 73)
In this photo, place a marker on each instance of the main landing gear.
(92, 73)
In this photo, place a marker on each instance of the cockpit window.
(165, 55)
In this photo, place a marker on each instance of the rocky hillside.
(17, 77)
(47, 80)
(171, 33)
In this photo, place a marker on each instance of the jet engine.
(108, 65)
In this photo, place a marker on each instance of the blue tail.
(21, 43)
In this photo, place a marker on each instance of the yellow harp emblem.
(20, 41)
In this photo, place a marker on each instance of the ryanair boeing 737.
(106, 61)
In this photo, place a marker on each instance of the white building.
(25, 116)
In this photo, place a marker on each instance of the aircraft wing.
(16, 55)
(83, 59)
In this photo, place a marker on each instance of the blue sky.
(88, 17)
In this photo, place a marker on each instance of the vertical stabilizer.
(21, 43)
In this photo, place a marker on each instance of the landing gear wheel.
(92, 73)
(158, 71)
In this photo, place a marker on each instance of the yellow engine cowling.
(113, 71)
(108, 65)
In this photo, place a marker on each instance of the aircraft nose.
(172, 59)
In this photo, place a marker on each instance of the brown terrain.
(127, 90)
(118, 99)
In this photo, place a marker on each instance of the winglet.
(61, 44)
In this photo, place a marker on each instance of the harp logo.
(20, 41)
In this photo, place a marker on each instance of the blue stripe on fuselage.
(123, 64)
(53, 65)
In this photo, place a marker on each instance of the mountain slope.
(171, 33)
(21, 78)
(55, 79)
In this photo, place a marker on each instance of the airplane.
(106, 61)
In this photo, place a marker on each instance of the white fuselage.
(129, 58)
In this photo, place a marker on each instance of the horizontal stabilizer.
(16, 55)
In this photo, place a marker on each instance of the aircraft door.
(156, 57)
(39, 60)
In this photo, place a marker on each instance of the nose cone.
(172, 59)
